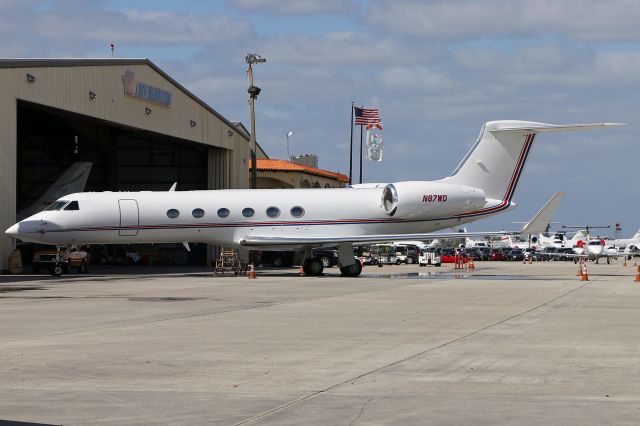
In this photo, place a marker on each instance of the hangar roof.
(287, 166)
(96, 62)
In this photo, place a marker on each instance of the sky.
(436, 70)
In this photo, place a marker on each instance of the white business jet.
(536, 225)
(482, 185)
(588, 248)
(627, 246)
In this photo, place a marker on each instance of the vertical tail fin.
(540, 222)
(495, 162)
(74, 179)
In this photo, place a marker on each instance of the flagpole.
(361, 153)
(351, 145)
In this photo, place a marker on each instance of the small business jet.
(588, 248)
(482, 185)
(538, 223)
(627, 246)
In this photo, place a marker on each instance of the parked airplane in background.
(538, 223)
(625, 245)
(588, 248)
(482, 185)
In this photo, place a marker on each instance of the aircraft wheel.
(57, 270)
(351, 270)
(313, 267)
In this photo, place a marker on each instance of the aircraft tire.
(313, 267)
(351, 270)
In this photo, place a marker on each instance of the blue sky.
(436, 69)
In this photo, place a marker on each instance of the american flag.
(369, 117)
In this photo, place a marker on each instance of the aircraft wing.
(257, 240)
(569, 255)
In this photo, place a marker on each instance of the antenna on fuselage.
(173, 187)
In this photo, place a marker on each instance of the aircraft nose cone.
(12, 231)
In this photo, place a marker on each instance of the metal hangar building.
(140, 129)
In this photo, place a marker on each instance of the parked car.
(328, 257)
(478, 253)
(515, 255)
(539, 256)
(496, 255)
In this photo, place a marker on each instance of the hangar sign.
(144, 91)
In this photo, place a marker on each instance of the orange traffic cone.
(579, 274)
(252, 272)
(301, 271)
(585, 276)
(471, 265)
(637, 275)
(624, 263)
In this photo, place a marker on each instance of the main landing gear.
(352, 270)
(349, 265)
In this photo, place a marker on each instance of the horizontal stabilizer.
(539, 223)
(534, 127)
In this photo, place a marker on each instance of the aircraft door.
(129, 218)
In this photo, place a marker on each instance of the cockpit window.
(72, 206)
(56, 205)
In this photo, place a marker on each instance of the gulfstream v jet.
(482, 185)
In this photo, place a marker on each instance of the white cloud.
(339, 49)
(584, 20)
(416, 78)
(295, 7)
(135, 27)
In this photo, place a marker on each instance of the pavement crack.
(408, 358)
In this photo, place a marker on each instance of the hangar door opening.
(50, 140)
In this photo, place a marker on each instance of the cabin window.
(248, 212)
(297, 211)
(273, 212)
(223, 212)
(72, 206)
(173, 213)
(197, 213)
(57, 205)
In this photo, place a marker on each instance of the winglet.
(540, 221)
(173, 187)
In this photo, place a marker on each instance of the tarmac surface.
(506, 344)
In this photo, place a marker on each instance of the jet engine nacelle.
(432, 199)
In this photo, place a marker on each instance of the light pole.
(289, 134)
(253, 91)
